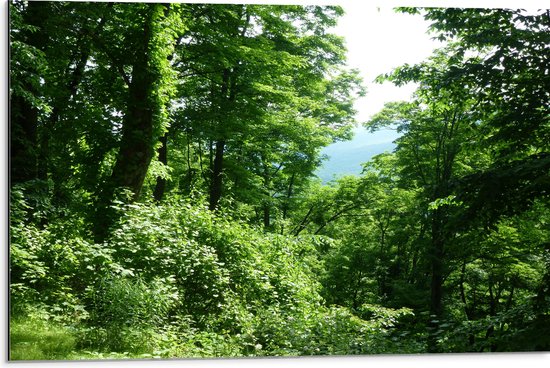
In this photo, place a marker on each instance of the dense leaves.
(163, 201)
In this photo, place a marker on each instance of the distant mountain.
(345, 158)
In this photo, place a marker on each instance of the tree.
(39, 99)
(465, 100)
(25, 103)
(151, 34)
(508, 78)
(246, 121)
(434, 128)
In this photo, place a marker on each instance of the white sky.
(379, 40)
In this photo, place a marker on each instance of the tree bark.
(217, 176)
(160, 187)
(23, 140)
(436, 285)
(24, 145)
(136, 146)
(267, 216)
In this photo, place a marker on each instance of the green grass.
(34, 339)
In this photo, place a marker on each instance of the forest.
(163, 201)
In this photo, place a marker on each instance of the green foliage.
(324, 331)
(472, 198)
(209, 258)
(218, 286)
(440, 246)
(265, 89)
(30, 60)
(125, 311)
(447, 201)
(35, 339)
(50, 265)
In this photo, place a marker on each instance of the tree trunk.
(136, 146)
(286, 204)
(267, 215)
(23, 140)
(24, 145)
(160, 187)
(436, 286)
(136, 150)
(217, 178)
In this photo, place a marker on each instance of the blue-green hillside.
(345, 158)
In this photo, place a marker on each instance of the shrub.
(126, 312)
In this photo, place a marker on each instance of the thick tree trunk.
(24, 144)
(136, 150)
(136, 146)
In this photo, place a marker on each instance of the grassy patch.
(34, 339)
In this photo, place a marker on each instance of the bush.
(175, 280)
(126, 313)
